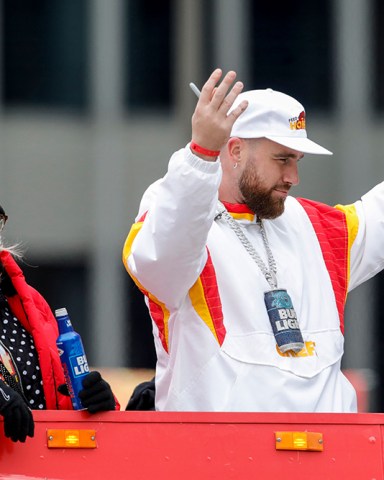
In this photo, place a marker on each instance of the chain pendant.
(268, 272)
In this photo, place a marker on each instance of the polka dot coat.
(33, 314)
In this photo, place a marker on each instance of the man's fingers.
(213, 92)
(236, 112)
(231, 97)
(221, 92)
(209, 86)
(222, 95)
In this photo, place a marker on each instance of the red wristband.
(204, 151)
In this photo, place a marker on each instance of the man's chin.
(274, 211)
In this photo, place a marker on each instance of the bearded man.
(245, 284)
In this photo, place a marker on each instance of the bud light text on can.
(282, 317)
(72, 356)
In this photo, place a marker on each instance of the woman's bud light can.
(72, 356)
(282, 317)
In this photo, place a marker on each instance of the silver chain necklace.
(269, 273)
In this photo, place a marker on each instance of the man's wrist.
(204, 153)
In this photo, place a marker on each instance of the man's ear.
(234, 149)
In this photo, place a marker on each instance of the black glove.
(143, 397)
(96, 395)
(18, 419)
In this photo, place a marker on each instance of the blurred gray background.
(95, 98)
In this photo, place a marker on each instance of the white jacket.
(214, 342)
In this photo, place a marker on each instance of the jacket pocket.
(322, 349)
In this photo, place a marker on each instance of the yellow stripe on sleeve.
(197, 296)
(159, 312)
(128, 242)
(352, 225)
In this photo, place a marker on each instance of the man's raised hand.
(211, 124)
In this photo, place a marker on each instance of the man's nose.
(291, 174)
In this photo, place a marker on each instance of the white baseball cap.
(276, 116)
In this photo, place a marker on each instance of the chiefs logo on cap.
(297, 123)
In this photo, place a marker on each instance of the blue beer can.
(72, 356)
(283, 319)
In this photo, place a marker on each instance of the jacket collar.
(240, 211)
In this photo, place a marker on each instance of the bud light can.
(72, 356)
(282, 317)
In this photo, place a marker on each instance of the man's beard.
(258, 198)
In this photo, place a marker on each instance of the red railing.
(168, 445)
